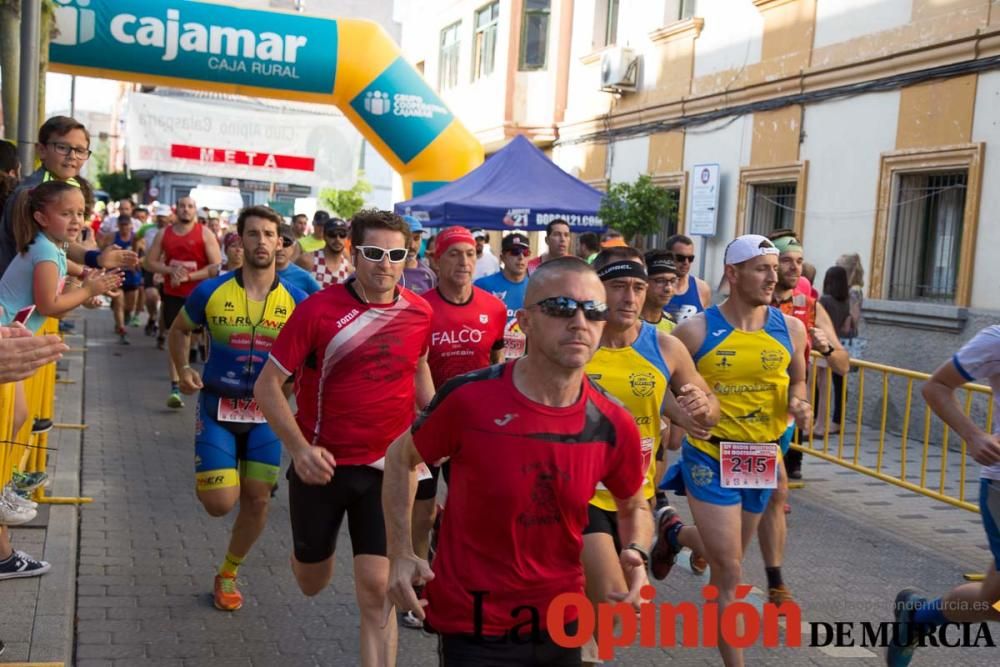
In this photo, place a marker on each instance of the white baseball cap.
(163, 209)
(746, 247)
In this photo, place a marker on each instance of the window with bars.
(771, 207)
(669, 223)
(448, 57)
(484, 48)
(927, 236)
(535, 34)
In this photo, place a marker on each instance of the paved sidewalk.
(147, 553)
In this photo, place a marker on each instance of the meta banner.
(199, 41)
(164, 133)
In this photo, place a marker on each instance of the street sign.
(704, 217)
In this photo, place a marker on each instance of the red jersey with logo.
(803, 308)
(354, 366)
(463, 335)
(522, 475)
(187, 250)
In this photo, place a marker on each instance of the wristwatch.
(829, 350)
(639, 550)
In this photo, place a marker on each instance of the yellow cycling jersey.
(748, 372)
(638, 377)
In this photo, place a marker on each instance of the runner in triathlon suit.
(237, 455)
(979, 359)
(509, 285)
(330, 264)
(359, 355)
(528, 442)
(821, 336)
(752, 357)
(467, 333)
(637, 364)
(692, 295)
(185, 253)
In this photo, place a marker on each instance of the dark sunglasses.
(517, 252)
(373, 253)
(287, 242)
(683, 258)
(565, 307)
(337, 233)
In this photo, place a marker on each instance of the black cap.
(514, 240)
(320, 218)
(335, 223)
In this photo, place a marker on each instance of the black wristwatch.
(639, 550)
(829, 350)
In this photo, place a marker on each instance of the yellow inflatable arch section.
(353, 64)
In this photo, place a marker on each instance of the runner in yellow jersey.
(636, 364)
(751, 355)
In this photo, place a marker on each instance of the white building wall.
(986, 128)
(842, 20)
(729, 146)
(628, 159)
(731, 38)
(844, 142)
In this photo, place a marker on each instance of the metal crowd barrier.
(916, 452)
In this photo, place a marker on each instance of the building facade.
(868, 126)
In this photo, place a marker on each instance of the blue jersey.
(512, 294)
(299, 277)
(683, 306)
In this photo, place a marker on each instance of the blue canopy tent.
(516, 188)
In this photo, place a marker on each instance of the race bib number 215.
(749, 465)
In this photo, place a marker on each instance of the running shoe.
(29, 481)
(134, 320)
(906, 633)
(227, 596)
(410, 620)
(175, 401)
(160, 340)
(11, 495)
(779, 595)
(698, 563)
(663, 555)
(122, 337)
(151, 327)
(41, 425)
(20, 565)
(15, 515)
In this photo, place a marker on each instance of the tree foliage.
(345, 203)
(636, 209)
(119, 185)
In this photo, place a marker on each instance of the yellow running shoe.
(227, 597)
(779, 595)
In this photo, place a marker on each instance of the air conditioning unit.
(619, 70)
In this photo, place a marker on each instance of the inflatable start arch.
(353, 64)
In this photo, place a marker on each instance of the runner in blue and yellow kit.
(237, 455)
(751, 355)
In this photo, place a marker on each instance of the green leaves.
(636, 209)
(345, 203)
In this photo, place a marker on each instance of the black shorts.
(427, 489)
(470, 651)
(603, 521)
(172, 306)
(318, 511)
(147, 279)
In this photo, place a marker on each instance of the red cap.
(450, 237)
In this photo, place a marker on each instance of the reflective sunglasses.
(683, 258)
(337, 233)
(373, 253)
(517, 252)
(565, 307)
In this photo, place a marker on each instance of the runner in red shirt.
(467, 333)
(528, 441)
(186, 253)
(359, 354)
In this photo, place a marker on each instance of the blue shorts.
(225, 452)
(989, 509)
(785, 442)
(703, 480)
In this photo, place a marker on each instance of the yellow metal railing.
(886, 456)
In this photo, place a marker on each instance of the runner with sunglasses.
(237, 455)
(528, 442)
(509, 285)
(359, 354)
(287, 269)
(330, 264)
(639, 366)
(692, 295)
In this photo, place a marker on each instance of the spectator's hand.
(114, 257)
(102, 282)
(21, 353)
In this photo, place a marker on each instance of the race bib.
(241, 410)
(749, 465)
(423, 472)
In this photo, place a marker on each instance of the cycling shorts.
(225, 452)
